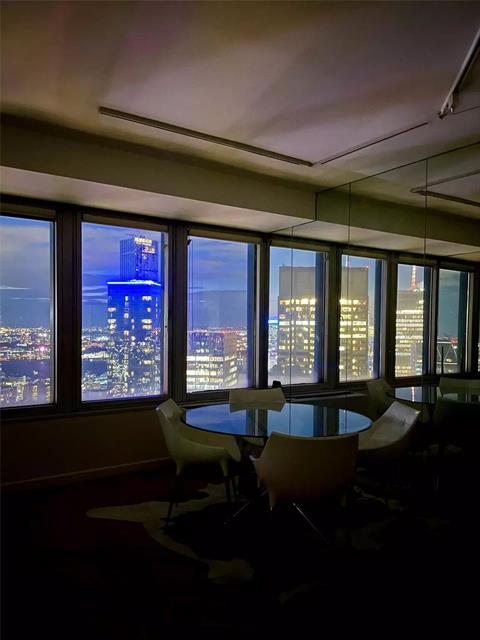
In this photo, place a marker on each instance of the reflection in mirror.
(453, 199)
(296, 303)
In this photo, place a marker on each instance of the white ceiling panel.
(306, 79)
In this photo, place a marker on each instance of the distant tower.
(413, 282)
(135, 319)
(139, 259)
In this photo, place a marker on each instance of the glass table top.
(426, 394)
(298, 419)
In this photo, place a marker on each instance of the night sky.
(213, 266)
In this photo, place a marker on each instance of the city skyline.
(219, 276)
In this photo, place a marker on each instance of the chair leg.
(307, 519)
(244, 507)
(227, 489)
(234, 488)
(173, 497)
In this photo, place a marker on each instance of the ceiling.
(305, 79)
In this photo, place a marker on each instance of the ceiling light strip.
(371, 143)
(448, 106)
(191, 133)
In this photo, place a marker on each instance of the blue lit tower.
(139, 259)
(135, 312)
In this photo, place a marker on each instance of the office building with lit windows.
(212, 360)
(354, 324)
(296, 331)
(410, 328)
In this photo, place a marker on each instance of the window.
(27, 312)
(360, 308)
(296, 315)
(451, 320)
(221, 290)
(413, 284)
(123, 311)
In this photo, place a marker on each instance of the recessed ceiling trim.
(370, 143)
(444, 196)
(460, 176)
(191, 133)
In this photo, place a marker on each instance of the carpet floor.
(93, 560)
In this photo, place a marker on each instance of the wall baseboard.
(84, 474)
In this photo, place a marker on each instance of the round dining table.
(291, 418)
(463, 397)
(425, 394)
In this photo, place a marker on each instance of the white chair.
(458, 385)
(297, 469)
(258, 398)
(273, 399)
(385, 444)
(378, 396)
(187, 446)
(390, 435)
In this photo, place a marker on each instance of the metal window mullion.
(378, 315)
(390, 318)
(177, 313)
(428, 322)
(475, 321)
(332, 358)
(463, 320)
(262, 315)
(252, 363)
(69, 320)
(320, 317)
(434, 291)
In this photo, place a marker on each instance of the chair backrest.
(378, 396)
(452, 385)
(391, 433)
(260, 398)
(169, 414)
(300, 468)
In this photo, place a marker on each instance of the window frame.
(31, 211)
(323, 374)
(253, 306)
(381, 284)
(429, 284)
(126, 221)
(67, 294)
(466, 360)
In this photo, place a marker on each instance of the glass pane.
(295, 325)
(123, 310)
(220, 314)
(451, 320)
(411, 303)
(359, 318)
(27, 312)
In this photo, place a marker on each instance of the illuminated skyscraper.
(135, 315)
(354, 324)
(296, 322)
(212, 360)
(135, 326)
(409, 329)
(139, 259)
